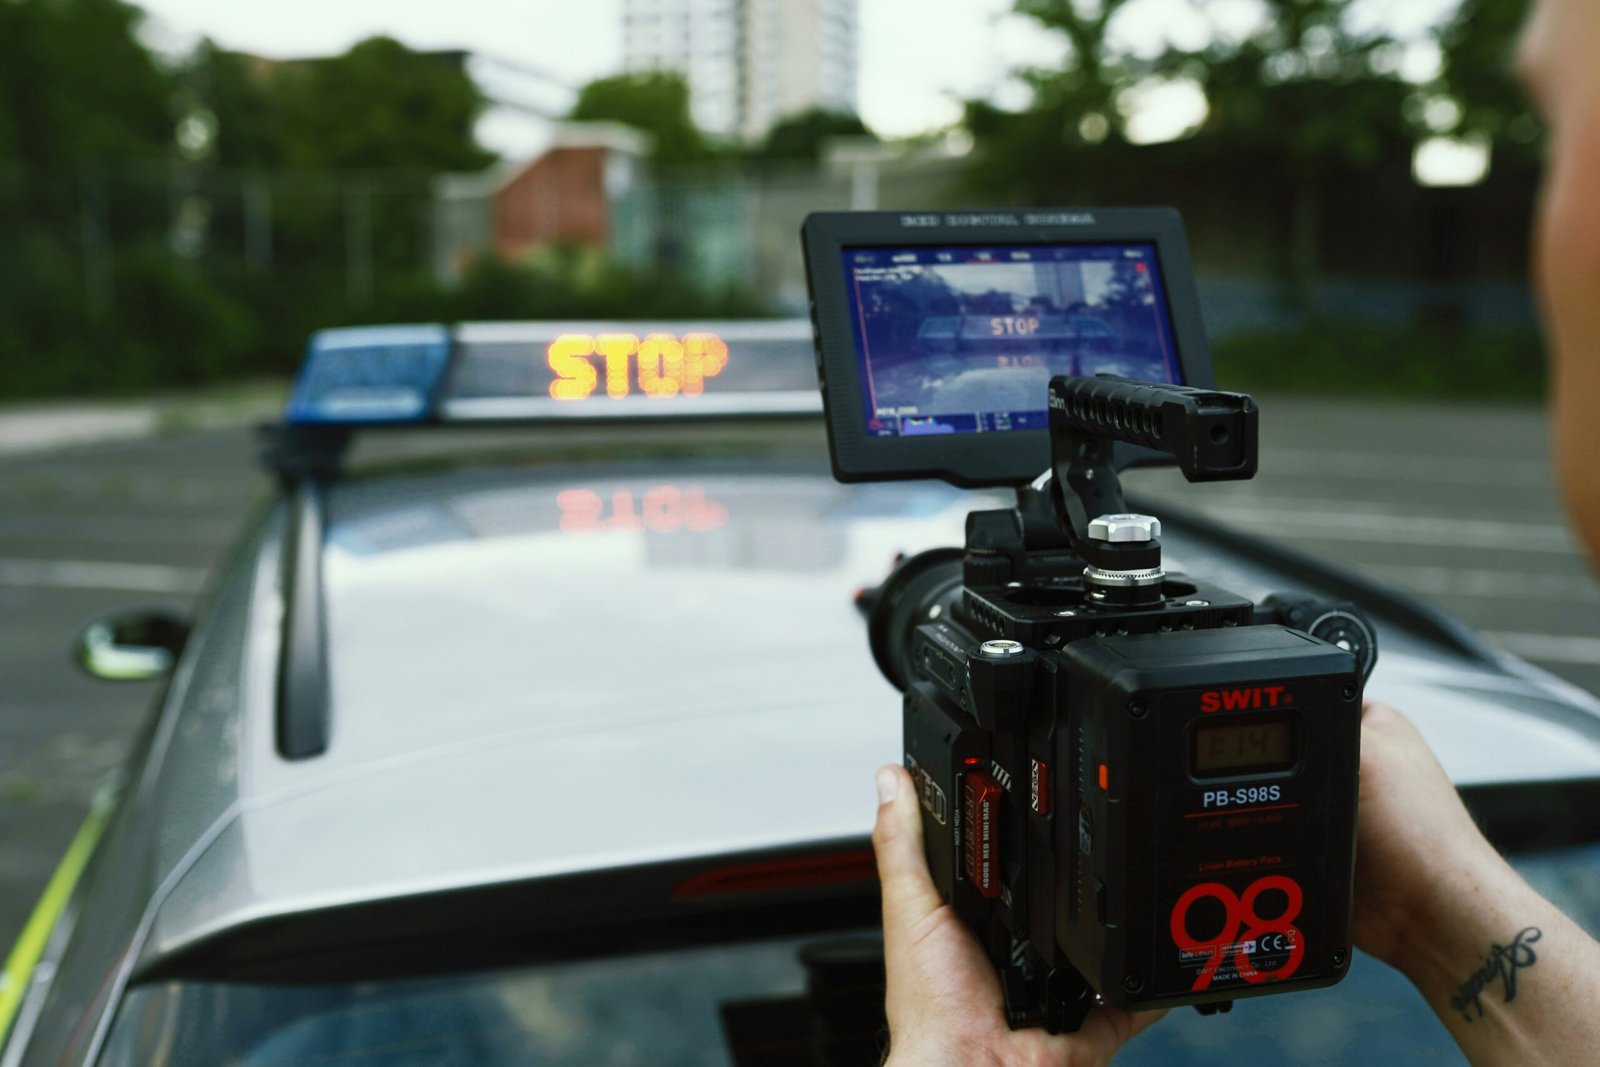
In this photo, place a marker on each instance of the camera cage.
(974, 460)
(1035, 651)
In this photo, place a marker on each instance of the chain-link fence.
(135, 276)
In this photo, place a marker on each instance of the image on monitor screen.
(966, 339)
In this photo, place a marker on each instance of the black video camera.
(1135, 786)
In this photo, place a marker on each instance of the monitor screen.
(966, 339)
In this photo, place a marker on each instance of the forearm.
(1512, 978)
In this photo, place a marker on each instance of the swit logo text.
(1261, 696)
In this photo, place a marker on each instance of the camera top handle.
(1212, 435)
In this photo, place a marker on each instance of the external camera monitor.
(938, 333)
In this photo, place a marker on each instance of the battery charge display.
(1258, 744)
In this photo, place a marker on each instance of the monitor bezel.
(973, 460)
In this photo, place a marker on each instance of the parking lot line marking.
(1373, 466)
(118, 529)
(1575, 588)
(35, 936)
(1384, 528)
(1549, 648)
(85, 574)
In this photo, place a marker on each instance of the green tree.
(1315, 97)
(82, 104)
(1086, 85)
(76, 85)
(233, 95)
(379, 105)
(799, 138)
(1478, 43)
(657, 103)
(1297, 103)
(337, 155)
(77, 90)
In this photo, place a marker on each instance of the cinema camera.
(1136, 787)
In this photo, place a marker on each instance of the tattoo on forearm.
(1502, 963)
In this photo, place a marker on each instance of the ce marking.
(1276, 942)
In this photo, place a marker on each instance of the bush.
(176, 323)
(573, 283)
(1375, 360)
(168, 326)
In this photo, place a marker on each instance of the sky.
(918, 58)
(914, 69)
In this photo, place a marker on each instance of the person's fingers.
(1104, 1031)
(909, 895)
(1377, 714)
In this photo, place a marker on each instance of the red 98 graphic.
(1241, 924)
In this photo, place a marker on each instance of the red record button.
(980, 798)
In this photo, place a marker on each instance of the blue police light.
(370, 374)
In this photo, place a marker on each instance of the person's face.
(1557, 59)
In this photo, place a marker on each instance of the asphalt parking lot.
(1456, 503)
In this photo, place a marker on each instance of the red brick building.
(565, 196)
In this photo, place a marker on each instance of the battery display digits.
(1240, 747)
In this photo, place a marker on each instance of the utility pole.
(258, 222)
(358, 242)
(94, 225)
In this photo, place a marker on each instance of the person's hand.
(944, 1002)
(1416, 845)
(1437, 902)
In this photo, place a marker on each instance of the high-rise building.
(748, 63)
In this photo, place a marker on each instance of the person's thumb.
(909, 895)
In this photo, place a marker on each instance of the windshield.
(809, 1000)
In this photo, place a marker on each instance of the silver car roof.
(543, 671)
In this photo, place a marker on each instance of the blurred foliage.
(76, 87)
(1298, 101)
(189, 221)
(1309, 109)
(656, 103)
(1480, 75)
(1302, 80)
(351, 141)
(182, 224)
(580, 283)
(800, 138)
(378, 106)
(1421, 360)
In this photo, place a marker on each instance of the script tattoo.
(1503, 962)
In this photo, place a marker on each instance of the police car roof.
(537, 671)
(540, 672)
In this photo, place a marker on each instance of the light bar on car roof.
(628, 370)
(370, 375)
(557, 371)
